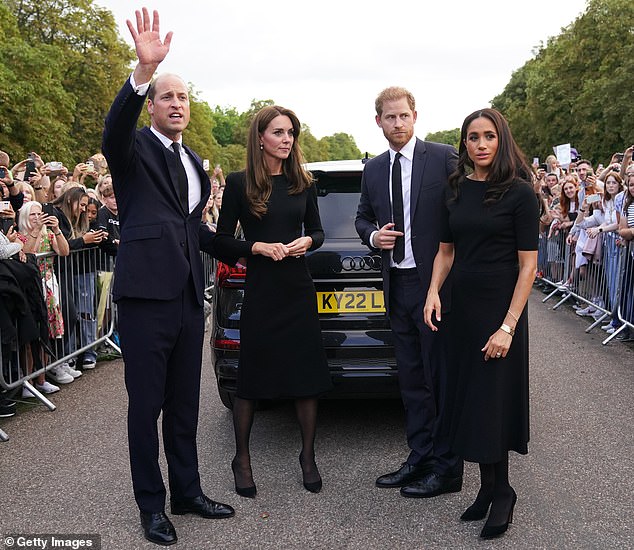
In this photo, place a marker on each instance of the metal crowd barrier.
(604, 284)
(80, 284)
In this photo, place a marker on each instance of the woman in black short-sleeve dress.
(489, 243)
(281, 352)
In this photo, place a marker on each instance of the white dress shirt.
(406, 160)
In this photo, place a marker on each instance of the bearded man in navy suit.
(161, 189)
(402, 194)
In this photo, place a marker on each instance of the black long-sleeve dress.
(490, 414)
(281, 351)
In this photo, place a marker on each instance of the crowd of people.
(586, 221)
(69, 219)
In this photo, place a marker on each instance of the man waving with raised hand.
(161, 189)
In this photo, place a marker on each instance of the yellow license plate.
(353, 301)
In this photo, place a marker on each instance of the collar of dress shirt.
(165, 140)
(407, 150)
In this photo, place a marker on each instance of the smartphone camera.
(619, 157)
(592, 199)
(3, 172)
(29, 169)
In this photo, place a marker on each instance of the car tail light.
(230, 277)
(225, 343)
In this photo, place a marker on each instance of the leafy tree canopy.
(577, 88)
(450, 137)
(61, 65)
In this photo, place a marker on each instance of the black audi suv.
(347, 276)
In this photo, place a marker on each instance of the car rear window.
(338, 198)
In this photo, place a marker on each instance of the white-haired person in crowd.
(39, 233)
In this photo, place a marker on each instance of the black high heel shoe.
(312, 486)
(492, 530)
(247, 492)
(479, 509)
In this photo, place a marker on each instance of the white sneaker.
(611, 330)
(66, 367)
(607, 327)
(88, 364)
(47, 387)
(586, 311)
(597, 314)
(60, 375)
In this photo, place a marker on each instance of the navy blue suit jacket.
(431, 167)
(160, 242)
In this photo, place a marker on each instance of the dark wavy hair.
(258, 178)
(509, 165)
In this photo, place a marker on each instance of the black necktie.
(398, 253)
(183, 192)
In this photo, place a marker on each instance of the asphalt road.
(67, 471)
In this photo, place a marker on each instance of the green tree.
(26, 73)
(450, 137)
(341, 146)
(226, 122)
(80, 61)
(577, 88)
(313, 149)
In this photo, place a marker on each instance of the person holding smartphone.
(71, 209)
(40, 232)
(9, 193)
(586, 177)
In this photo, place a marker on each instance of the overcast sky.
(327, 60)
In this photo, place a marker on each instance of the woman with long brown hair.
(489, 243)
(281, 353)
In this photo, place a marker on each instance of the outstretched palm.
(150, 49)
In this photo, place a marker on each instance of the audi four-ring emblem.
(361, 263)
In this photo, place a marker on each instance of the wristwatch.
(600, 229)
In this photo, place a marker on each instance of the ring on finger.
(498, 354)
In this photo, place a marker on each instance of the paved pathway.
(67, 471)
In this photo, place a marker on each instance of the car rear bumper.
(355, 371)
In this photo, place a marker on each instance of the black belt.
(403, 271)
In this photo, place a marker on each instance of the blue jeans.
(611, 254)
(84, 294)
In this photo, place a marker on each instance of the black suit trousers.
(421, 358)
(161, 342)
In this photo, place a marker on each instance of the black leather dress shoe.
(158, 528)
(203, 507)
(406, 474)
(432, 485)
